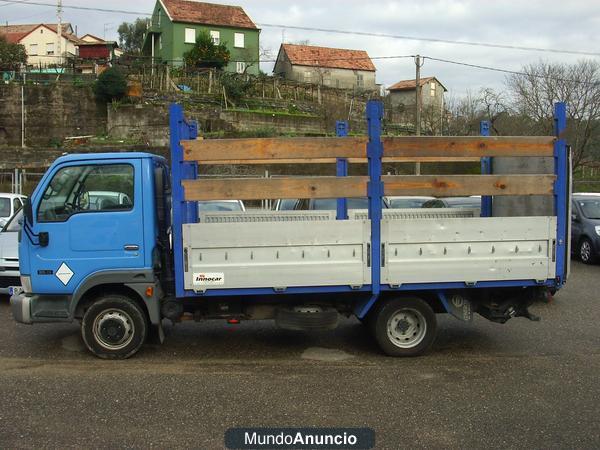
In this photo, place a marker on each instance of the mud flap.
(457, 306)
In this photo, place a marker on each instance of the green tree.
(206, 53)
(11, 55)
(111, 85)
(131, 35)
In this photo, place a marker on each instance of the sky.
(565, 25)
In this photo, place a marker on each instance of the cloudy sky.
(566, 25)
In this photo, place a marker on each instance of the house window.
(159, 17)
(238, 39)
(432, 90)
(190, 36)
(307, 77)
(240, 67)
(360, 81)
(50, 48)
(160, 42)
(216, 37)
(33, 49)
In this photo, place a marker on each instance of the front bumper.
(9, 277)
(20, 306)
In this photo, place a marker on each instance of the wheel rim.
(585, 251)
(113, 329)
(406, 328)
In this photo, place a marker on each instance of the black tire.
(114, 327)
(586, 251)
(412, 333)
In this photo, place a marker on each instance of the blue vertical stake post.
(341, 170)
(183, 212)
(375, 191)
(486, 169)
(561, 189)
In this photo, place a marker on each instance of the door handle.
(131, 247)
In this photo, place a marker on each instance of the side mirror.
(28, 211)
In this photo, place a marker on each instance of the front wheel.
(586, 251)
(114, 327)
(404, 327)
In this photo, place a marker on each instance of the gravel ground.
(519, 385)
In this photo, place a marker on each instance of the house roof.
(189, 11)
(408, 85)
(335, 58)
(14, 33)
(99, 44)
(91, 38)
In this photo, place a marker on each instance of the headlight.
(26, 283)
(598, 230)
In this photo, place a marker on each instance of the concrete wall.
(148, 124)
(52, 113)
(249, 121)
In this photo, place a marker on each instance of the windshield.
(407, 202)
(324, 204)
(15, 222)
(219, 206)
(4, 207)
(287, 204)
(464, 202)
(590, 208)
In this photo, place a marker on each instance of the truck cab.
(92, 223)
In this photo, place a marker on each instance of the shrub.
(111, 85)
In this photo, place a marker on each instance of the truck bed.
(310, 248)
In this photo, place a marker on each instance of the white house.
(41, 42)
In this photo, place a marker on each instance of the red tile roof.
(207, 14)
(14, 33)
(335, 58)
(407, 85)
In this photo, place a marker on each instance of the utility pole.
(59, 30)
(418, 64)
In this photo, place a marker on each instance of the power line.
(347, 32)
(82, 8)
(512, 72)
(437, 40)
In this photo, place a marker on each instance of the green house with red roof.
(176, 24)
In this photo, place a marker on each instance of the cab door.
(76, 237)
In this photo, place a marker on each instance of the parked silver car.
(9, 253)
(9, 205)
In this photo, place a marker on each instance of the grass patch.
(272, 112)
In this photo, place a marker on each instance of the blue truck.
(123, 263)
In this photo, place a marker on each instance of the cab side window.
(87, 189)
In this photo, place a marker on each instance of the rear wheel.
(586, 251)
(114, 327)
(404, 327)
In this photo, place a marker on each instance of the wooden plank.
(274, 148)
(463, 185)
(475, 146)
(261, 188)
(423, 159)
